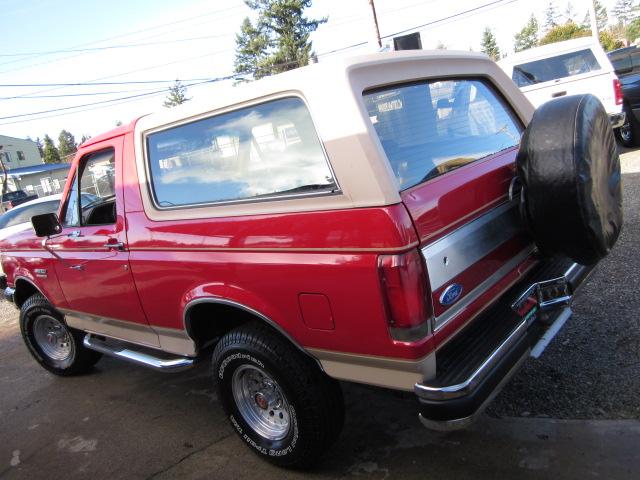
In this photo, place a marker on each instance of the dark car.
(626, 62)
(12, 199)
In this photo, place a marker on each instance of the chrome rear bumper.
(447, 406)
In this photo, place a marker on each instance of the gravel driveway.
(592, 368)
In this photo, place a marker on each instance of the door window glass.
(96, 190)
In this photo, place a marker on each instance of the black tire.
(628, 135)
(569, 168)
(315, 410)
(35, 312)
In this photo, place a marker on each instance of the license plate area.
(542, 296)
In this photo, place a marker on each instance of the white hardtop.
(333, 92)
(553, 49)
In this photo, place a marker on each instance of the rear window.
(553, 68)
(263, 151)
(433, 127)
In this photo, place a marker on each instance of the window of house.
(262, 151)
(430, 128)
(92, 196)
(7, 157)
(21, 156)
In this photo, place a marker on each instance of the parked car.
(397, 229)
(19, 218)
(571, 67)
(626, 62)
(15, 198)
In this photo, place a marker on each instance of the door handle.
(559, 94)
(114, 245)
(74, 234)
(77, 267)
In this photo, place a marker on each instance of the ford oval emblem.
(451, 294)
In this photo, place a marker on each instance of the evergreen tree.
(51, 154)
(528, 36)
(550, 17)
(84, 138)
(278, 40)
(177, 95)
(66, 146)
(570, 13)
(625, 11)
(40, 146)
(489, 44)
(602, 18)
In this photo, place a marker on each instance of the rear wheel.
(278, 401)
(51, 342)
(628, 135)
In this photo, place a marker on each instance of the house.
(26, 169)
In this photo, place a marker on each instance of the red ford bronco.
(402, 220)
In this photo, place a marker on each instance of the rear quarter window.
(430, 128)
(554, 68)
(265, 151)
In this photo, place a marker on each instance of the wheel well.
(24, 290)
(207, 322)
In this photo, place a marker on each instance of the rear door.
(93, 264)
(452, 145)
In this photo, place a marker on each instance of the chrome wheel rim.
(261, 402)
(53, 338)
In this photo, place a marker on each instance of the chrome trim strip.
(452, 312)
(162, 364)
(459, 250)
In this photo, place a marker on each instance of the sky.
(194, 41)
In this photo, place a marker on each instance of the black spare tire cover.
(569, 168)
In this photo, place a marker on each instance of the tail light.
(406, 294)
(617, 91)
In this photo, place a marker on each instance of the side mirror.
(46, 224)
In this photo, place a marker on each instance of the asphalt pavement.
(572, 414)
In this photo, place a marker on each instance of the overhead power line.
(114, 47)
(101, 104)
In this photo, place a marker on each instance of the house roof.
(41, 168)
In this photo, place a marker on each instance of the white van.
(567, 68)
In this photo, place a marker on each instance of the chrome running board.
(135, 354)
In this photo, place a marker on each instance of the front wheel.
(277, 400)
(51, 342)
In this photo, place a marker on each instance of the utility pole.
(594, 20)
(375, 23)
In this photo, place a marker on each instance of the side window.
(261, 151)
(92, 197)
(430, 128)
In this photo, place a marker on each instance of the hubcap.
(52, 337)
(261, 402)
(625, 131)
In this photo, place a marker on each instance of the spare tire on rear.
(569, 168)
